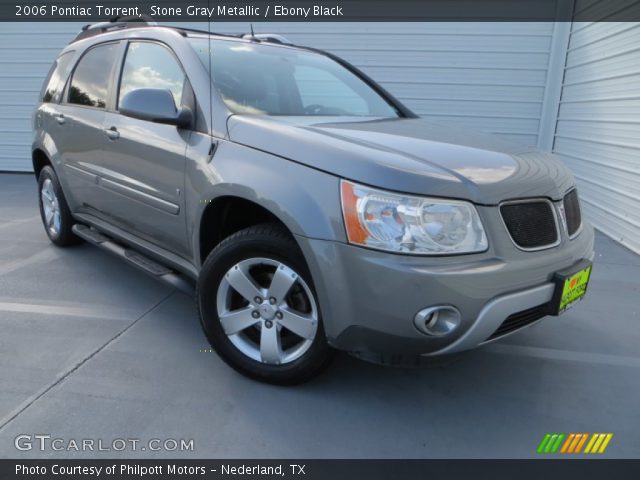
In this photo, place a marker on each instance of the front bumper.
(369, 298)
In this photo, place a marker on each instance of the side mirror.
(155, 105)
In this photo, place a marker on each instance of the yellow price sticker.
(574, 288)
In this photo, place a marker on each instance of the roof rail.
(120, 23)
(185, 31)
(259, 37)
(268, 37)
(116, 23)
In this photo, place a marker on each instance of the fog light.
(437, 321)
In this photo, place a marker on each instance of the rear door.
(78, 127)
(145, 161)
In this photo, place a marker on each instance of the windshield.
(264, 79)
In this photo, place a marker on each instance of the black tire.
(266, 241)
(62, 236)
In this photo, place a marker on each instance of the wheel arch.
(40, 159)
(228, 214)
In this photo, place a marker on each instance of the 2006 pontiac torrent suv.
(311, 209)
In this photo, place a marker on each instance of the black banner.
(322, 10)
(318, 469)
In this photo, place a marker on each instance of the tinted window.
(271, 80)
(91, 77)
(56, 78)
(320, 89)
(149, 65)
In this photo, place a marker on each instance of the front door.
(144, 162)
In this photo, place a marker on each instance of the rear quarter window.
(57, 77)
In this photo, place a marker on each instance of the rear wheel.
(258, 307)
(54, 211)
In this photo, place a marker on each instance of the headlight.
(408, 224)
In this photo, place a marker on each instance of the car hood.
(408, 155)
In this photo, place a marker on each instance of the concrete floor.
(92, 348)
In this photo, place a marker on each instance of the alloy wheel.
(267, 311)
(50, 207)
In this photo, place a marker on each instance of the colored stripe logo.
(574, 443)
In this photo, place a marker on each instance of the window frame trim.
(123, 59)
(65, 95)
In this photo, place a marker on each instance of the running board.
(134, 258)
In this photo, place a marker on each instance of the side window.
(149, 65)
(319, 87)
(91, 77)
(54, 84)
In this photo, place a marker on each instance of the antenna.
(252, 34)
(210, 72)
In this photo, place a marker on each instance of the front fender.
(305, 200)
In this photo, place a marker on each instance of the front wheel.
(259, 309)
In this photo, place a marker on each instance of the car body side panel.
(143, 175)
(69, 146)
(44, 118)
(81, 142)
(307, 201)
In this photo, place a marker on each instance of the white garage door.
(489, 76)
(598, 130)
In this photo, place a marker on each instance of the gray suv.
(311, 209)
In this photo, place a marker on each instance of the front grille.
(531, 224)
(519, 320)
(572, 212)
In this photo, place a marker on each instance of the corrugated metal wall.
(489, 76)
(598, 129)
(27, 51)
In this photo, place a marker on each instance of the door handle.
(112, 133)
(59, 118)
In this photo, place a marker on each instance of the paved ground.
(92, 348)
